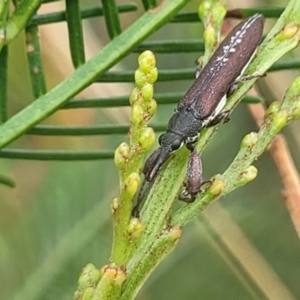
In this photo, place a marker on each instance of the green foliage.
(57, 220)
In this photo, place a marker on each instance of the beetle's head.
(169, 142)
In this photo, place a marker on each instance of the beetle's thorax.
(185, 124)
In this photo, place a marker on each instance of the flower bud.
(147, 92)
(131, 184)
(134, 96)
(135, 227)
(122, 154)
(137, 115)
(140, 78)
(249, 140)
(147, 138)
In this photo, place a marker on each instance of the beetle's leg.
(233, 87)
(223, 116)
(249, 77)
(194, 177)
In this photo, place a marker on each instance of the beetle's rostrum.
(203, 103)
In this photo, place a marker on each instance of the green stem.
(84, 13)
(111, 18)
(34, 58)
(162, 98)
(50, 130)
(74, 23)
(143, 263)
(187, 73)
(20, 18)
(7, 181)
(148, 4)
(63, 155)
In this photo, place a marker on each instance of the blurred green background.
(57, 218)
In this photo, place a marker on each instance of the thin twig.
(286, 167)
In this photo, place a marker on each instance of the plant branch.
(289, 176)
(20, 17)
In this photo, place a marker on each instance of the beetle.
(202, 106)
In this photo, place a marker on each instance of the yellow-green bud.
(204, 10)
(146, 64)
(175, 232)
(209, 36)
(134, 96)
(249, 140)
(148, 55)
(108, 272)
(114, 204)
(147, 92)
(140, 78)
(89, 277)
(112, 273)
(131, 184)
(83, 283)
(218, 14)
(151, 108)
(273, 108)
(120, 276)
(217, 187)
(152, 75)
(122, 154)
(248, 175)
(95, 276)
(137, 115)
(135, 227)
(147, 138)
(280, 119)
(288, 32)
